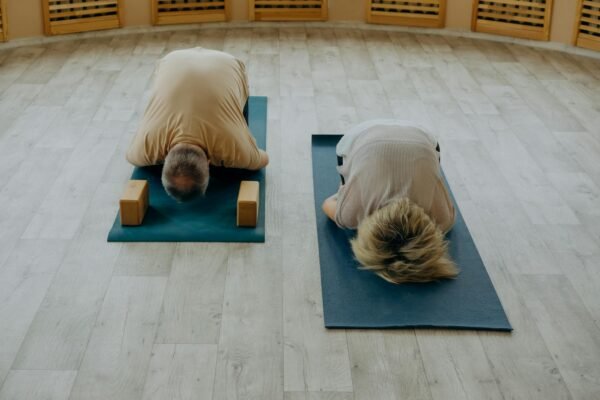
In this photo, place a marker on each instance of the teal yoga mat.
(353, 298)
(208, 219)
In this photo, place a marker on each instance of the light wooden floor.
(83, 319)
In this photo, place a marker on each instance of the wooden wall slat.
(64, 5)
(288, 10)
(587, 26)
(3, 25)
(528, 19)
(422, 13)
(166, 12)
(71, 16)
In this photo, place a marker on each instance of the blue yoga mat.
(354, 298)
(211, 218)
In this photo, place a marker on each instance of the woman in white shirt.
(392, 191)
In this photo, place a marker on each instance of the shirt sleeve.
(252, 158)
(245, 88)
(346, 213)
(136, 153)
(443, 210)
(246, 154)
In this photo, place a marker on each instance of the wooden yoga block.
(134, 202)
(247, 204)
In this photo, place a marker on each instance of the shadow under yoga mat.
(354, 298)
(208, 219)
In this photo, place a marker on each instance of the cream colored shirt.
(383, 162)
(198, 98)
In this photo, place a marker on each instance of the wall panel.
(528, 19)
(70, 16)
(165, 12)
(288, 10)
(423, 13)
(3, 24)
(587, 30)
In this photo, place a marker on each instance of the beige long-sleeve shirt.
(198, 98)
(383, 162)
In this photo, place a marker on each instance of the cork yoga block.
(134, 202)
(247, 204)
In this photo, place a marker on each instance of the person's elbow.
(330, 207)
(263, 160)
(130, 159)
(134, 160)
(448, 223)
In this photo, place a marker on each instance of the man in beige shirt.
(195, 117)
(393, 192)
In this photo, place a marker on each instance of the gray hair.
(185, 173)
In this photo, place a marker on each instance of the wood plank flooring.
(83, 319)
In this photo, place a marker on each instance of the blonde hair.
(401, 243)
